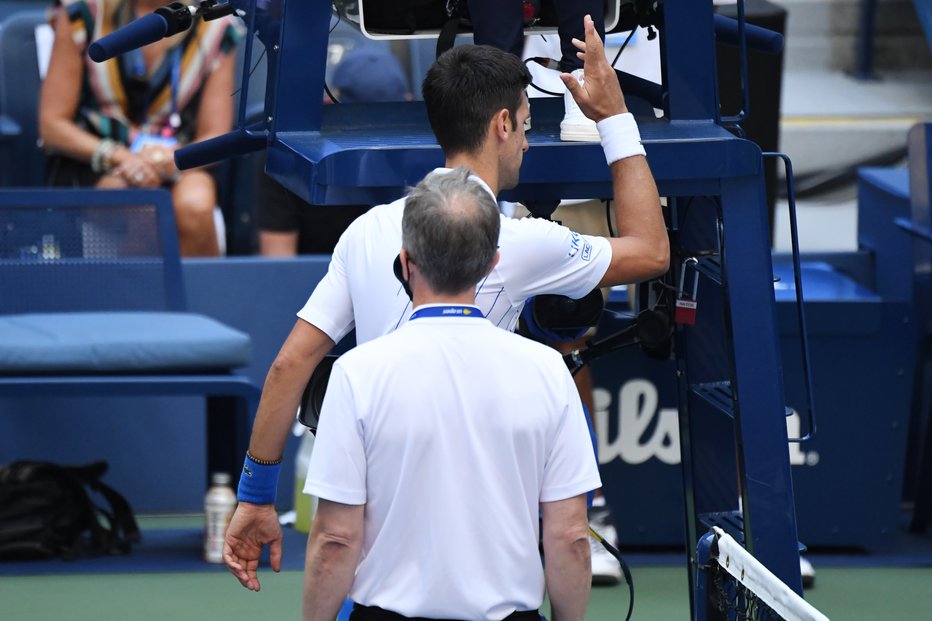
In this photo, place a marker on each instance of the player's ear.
(502, 124)
(403, 264)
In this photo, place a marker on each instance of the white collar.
(472, 176)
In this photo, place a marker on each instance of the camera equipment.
(313, 397)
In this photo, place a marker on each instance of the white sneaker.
(576, 126)
(605, 568)
(807, 571)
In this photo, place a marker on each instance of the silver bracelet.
(100, 158)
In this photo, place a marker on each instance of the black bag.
(46, 512)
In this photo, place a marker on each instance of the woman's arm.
(58, 102)
(58, 106)
(215, 114)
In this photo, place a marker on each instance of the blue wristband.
(258, 483)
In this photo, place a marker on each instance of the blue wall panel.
(847, 480)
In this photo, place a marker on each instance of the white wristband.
(620, 137)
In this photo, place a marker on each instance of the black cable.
(624, 568)
(330, 95)
(608, 217)
(251, 71)
(329, 32)
(549, 62)
(264, 50)
(623, 46)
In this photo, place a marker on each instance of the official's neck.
(426, 296)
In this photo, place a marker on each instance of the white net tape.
(748, 571)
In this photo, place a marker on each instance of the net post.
(706, 550)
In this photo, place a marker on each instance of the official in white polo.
(441, 444)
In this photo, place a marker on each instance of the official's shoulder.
(372, 352)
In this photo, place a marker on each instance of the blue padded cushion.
(119, 342)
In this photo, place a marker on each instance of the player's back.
(360, 289)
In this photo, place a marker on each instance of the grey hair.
(450, 230)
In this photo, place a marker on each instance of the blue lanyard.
(174, 119)
(447, 311)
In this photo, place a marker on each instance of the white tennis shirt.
(361, 291)
(451, 431)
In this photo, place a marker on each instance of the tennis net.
(732, 585)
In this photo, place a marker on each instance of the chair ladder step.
(710, 266)
(732, 522)
(717, 394)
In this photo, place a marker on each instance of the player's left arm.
(641, 249)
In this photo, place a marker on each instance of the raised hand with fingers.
(598, 95)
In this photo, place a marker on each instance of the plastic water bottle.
(219, 504)
(304, 505)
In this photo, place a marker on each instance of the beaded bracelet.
(620, 137)
(263, 462)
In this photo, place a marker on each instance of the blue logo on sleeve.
(574, 244)
(577, 242)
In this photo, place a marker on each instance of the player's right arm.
(254, 526)
(302, 351)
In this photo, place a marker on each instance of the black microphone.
(622, 338)
(166, 21)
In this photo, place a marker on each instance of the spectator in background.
(117, 124)
(288, 225)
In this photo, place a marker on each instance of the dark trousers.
(499, 23)
(374, 613)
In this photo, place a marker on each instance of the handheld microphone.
(166, 21)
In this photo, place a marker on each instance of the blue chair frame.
(21, 161)
(231, 398)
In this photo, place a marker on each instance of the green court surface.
(846, 594)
